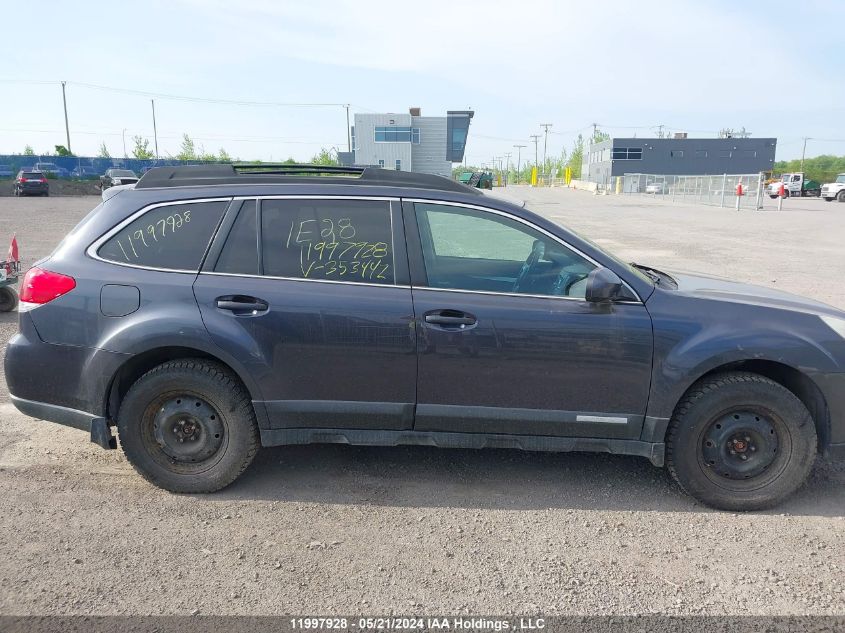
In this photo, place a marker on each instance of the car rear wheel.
(841, 196)
(740, 441)
(188, 426)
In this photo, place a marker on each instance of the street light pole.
(348, 130)
(123, 134)
(67, 128)
(536, 139)
(507, 166)
(545, 127)
(155, 131)
(518, 160)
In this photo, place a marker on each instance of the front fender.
(693, 337)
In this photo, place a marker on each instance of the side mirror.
(603, 286)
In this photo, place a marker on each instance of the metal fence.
(718, 190)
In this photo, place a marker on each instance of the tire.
(826, 199)
(8, 299)
(841, 196)
(740, 441)
(188, 426)
(773, 197)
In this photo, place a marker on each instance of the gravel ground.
(338, 529)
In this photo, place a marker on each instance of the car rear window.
(172, 237)
(123, 173)
(32, 174)
(240, 252)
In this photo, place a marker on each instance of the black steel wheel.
(8, 299)
(740, 441)
(188, 426)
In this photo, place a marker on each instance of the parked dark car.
(213, 309)
(6, 171)
(31, 183)
(114, 177)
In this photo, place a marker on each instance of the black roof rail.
(286, 173)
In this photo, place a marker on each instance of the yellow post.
(567, 175)
(533, 176)
(619, 185)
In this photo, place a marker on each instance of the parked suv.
(31, 183)
(213, 309)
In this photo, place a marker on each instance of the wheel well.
(798, 383)
(140, 364)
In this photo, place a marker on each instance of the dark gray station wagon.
(214, 309)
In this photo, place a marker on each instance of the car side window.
(173, 236)
(469, 249)
(335, 240)
(240, 251)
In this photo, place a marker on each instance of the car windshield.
(840, 178)
(123, 172)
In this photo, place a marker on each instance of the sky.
(268, 79)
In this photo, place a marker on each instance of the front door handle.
(241, 305)
(451, 319)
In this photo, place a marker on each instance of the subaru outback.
(215, 309)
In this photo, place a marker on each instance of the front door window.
(468, 249)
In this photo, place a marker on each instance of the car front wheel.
(740, 441)
(188, 426)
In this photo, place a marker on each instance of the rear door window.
(171, 237)
(240, 251)
(329, 240)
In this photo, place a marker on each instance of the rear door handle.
(239, 304)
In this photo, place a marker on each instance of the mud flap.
(101, 434)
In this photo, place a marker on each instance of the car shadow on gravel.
(492, 479)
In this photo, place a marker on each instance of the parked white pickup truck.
(834, 189)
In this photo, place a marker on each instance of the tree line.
(188, 151)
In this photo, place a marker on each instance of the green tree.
(104, 151)
(61, 150)
(142, 148)
(324, 157)
(187, 150)
(289, 161)
(28, 151)
(576, 157)
(223, 156)
(599, 136)
(819, 168)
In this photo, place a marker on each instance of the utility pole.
(545, 127)
(536, 139)
(67, 128)
(155, 131)
(595, 129)
(804, 151)
(518, 149)
(123, 134)
(348, 130)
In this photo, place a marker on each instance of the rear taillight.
(23, 179)
(42, 286)
(43, 180)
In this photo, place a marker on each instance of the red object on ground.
(739, 189)
(782, 191)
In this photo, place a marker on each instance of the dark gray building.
(677, 156)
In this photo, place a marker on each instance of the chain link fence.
(717, 190)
